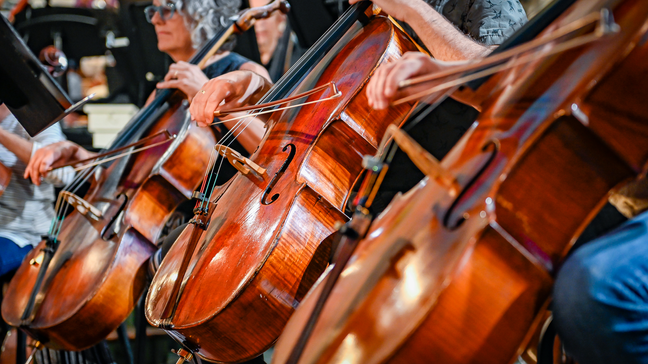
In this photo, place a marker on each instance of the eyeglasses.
(166, 12)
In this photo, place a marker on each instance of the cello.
(460, 268)
(231, 280)
(85, 278)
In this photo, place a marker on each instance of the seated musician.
(181, 28)
(277, 50)
(25, 210)
(452, 30)
(601, 294)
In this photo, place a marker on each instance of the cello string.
(334, 96)
(229, 138)
(77, 183)
(495, 69)
(605, 25)
(121, 155)
(205, 182)
(60, 218)
(246, 119)
(73, 186)
(80, 179)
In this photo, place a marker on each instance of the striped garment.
(26, 210)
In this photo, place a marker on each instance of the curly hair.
(204, 18)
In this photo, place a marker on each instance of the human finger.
(198, 104)
(372, 86)
(214, 102)
(202, 106)
(380, 101)
(31, 169)
(400, 72)
(46, 163)
(168, 84)
(34, 166)
(172, 73)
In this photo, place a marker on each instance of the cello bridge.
(83, 207)
(185, 355)
(243, 164)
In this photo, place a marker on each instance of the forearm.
(22, 148)
(444, 41)
(248, 132)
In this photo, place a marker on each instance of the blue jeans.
(601, 298)
(11, 255)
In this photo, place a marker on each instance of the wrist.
(262, 87)
(76, 152)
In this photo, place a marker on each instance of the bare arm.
(442, 38)
(19, 146)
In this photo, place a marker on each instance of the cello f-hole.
(495, 144)
(275, 179)
(113, 220)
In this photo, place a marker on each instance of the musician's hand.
(58, 153)
(228, 91)
(185, 77)
(383, 86)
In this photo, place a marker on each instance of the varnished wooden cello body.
(461, 272)
(225, 292)
(99, 269)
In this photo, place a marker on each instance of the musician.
(268, 32)
(26, 210)
(453, 31)
(181, 27)
(601, 293)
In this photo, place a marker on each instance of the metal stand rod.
(122, 334)
(140, 330)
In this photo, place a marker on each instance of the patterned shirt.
(490, 22)
(26, 210)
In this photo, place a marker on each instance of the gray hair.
(205, 18)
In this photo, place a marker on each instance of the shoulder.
(52, 134)
(234, 62)
(225, 64)
(493, 21)
(236, 58)
(256, 68)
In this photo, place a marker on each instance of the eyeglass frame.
(159, 9)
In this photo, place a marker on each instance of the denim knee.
(601, 298)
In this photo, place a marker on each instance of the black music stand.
(28, 90)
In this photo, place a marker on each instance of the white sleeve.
(50, 135)
(53, 134)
